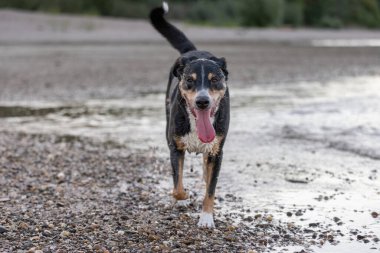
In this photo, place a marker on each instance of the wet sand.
(84, 165)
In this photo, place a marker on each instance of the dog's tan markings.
(208, 201)
(189, 95)
(179, 192)
(210, 75)
(179, 144)
(216, 148)
(194, 76)
(217, 95)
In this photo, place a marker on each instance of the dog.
(197, 111)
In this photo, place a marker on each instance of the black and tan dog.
(197, 111)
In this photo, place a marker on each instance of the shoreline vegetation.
(232, 13)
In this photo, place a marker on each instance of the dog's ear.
(179, 66)
(222, 65)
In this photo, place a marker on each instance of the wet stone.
(360, 237)
(3, 230)
(249, 219)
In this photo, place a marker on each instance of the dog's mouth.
(205, 129)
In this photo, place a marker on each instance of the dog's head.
(202, 83)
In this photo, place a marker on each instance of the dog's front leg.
(177, 158)
(213, 163)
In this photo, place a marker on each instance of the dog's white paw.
(206, 220)
(183, 203)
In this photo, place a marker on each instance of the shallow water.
(311, 146)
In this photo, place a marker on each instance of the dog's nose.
(202, 102)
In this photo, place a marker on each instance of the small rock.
(31, 250)
(3, 230)
(289, 214)
(23, 225)
(49, 202)
(230, 238)
(375, 214)
(94, 226)
(249, 219)
(313, 224)
(46, 233)
(336, 219)
(120, 232)
(260, 233)
(231, 228)
(35, 238)
(290, 225)
(65, 233)
(360, 237)
(61, 176)
(153, 237)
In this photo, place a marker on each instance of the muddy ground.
(84, 165)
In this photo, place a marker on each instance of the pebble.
(120, 232)
(360, 237)
(35, 238)
(375, 214)
(23, 225)
(65, 233)
(3, 230)
(94, 226)
(32, 250)
(61, 176)
(249, 219)
(46, 233)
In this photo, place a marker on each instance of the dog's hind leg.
(213, 163)
(177, 158)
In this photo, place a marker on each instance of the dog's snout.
(202, 102)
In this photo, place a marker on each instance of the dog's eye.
(189, 83)
(189, 86)
(214, 79)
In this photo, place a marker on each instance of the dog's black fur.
(197, 82)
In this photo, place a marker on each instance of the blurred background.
(260, 13)
(303, 145)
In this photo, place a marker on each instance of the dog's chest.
(192, 143)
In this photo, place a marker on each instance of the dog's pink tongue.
(205, 130)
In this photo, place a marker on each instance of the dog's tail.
(175, 37)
